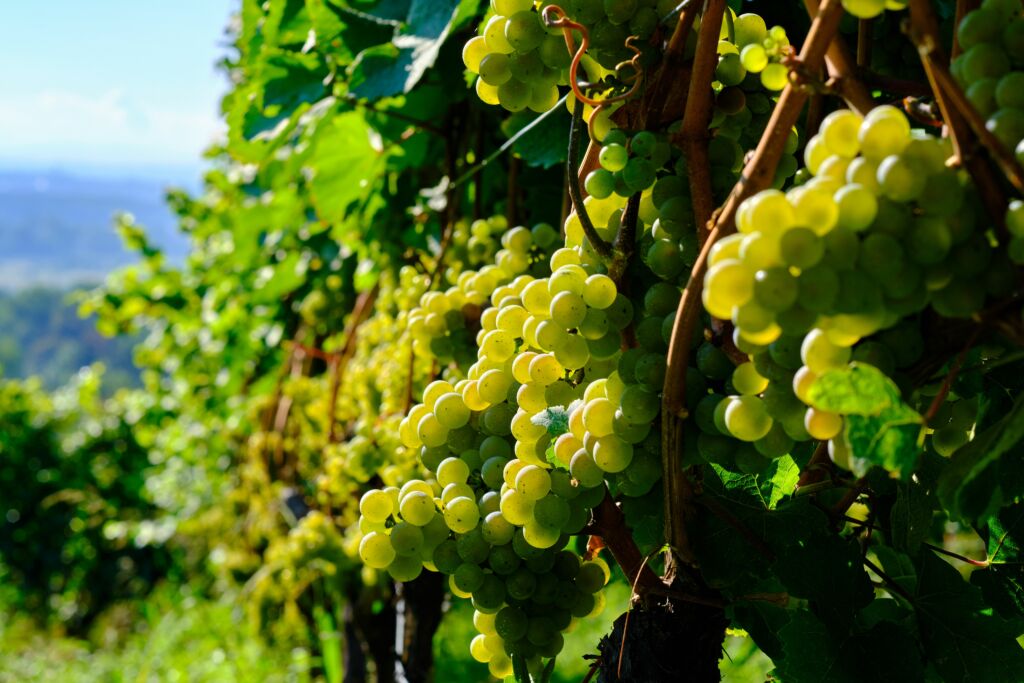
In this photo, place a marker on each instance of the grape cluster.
(754, 51)
(519, 62)
(444, 324)
(882, 231)
(989, 68)
(628, 164)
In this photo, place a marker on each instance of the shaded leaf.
(961, 637)
(813, 652)
(988, 472)
(911, 517)
(1002, 583)
(859, 389)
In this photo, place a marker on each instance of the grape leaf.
(961, 636)
(859, 389)
(911, 516)
(396, 67)
(344, 161)
(880, 428)
(813, 652)
(1002, 583)
(988, 472)
(544, 145)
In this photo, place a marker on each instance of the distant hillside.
(56, 229)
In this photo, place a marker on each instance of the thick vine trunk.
(673, 642)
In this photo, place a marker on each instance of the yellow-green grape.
(585, 470)
(462, 515)
(375, 505)
(612, 454)
(599, 291)
(431, 432)
(803, 380)
(376, 551)
(516, 508)
(452, 471)
(405, 568)
(598, 416)
(885, 132)
(545, 369)
(819, 354)
(451, 411)
(417, 508)
(540, 536)
(822, 425)
(406, 538)
(568, 309)
(747, 419)
(533, 482)
(864, 9)
(747, 380)
(840, 131)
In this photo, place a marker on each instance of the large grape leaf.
(1002, 583)
(880, 428)
(396, 67)
(344, 164)
(962, 638)
(813, 652)
(911, 517)
(988, 472)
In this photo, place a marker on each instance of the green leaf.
(343, 162)
(545, 144)
(813, 652)
(1002, 583)
(859, 389)
(911, 517)
(880, 428)
(988, 472)
(397, 67)
(889, 440)
(961, 636)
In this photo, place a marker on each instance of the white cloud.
(62, 125)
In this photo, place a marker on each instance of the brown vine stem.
(360, 312)
(924, 32)
(666, 92)
(610, 525)
(1007, 161)
(757, 175)
(625, 241)
(864, 29)
(693, 134)
(678, 491)
(841, 67)
(963, 7)
(602, 248)
(818, 467)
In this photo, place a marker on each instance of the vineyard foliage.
(700, 318)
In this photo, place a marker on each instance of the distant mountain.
(56, 228)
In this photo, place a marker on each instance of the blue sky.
(110, 83)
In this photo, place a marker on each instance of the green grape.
(524, 31)
(753, 58)
(818, 288)
(864, 9)
(462, 515)
(801, 248)
(822, 425)
(405, 568)
(450, 411)
(747, 419)
(551, 511)
(494, 69)
(819, 354)
(585, 470)
(730, 70)
(533, 482)
(599, 183)
(417, 508)
(747, 380)
(775, 76)
(612, 454)
(613, 157)
(885, 132)
(494, 35)
(775, 289)
(376, 505)
(857, 205)
(568, 309)
(376, 551)
(514, 95)
(749, 28)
